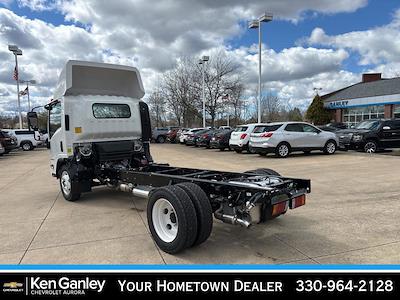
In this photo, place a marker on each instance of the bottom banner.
(258, 284)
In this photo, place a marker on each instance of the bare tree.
(219, 81)
(157, 105)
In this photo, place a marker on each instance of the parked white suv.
(240, 137)
(26, 139)
(282, 138)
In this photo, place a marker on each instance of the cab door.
(390, 133)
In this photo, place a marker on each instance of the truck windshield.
(111, 111)
(369, 125)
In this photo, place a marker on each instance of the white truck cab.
(95, 105)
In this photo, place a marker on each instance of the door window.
(54, 118)
(309, 128)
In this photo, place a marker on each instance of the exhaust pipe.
(235, 220)
(138, 191)
(141, 193)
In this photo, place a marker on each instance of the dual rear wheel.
(179, 217)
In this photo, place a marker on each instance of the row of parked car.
(283, 138)
(11, 139)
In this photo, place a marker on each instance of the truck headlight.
(85, 149)
(357, 137)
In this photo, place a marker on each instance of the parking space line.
(40, 226)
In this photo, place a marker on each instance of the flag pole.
(19, 101)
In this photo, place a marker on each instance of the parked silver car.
(285, 137)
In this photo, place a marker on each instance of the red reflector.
(279, 208)
(243, 136)
(267, 134)
(298, 201)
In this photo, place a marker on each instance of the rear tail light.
(266, 134)
(243, 136)
(279, 208)
(298, 201)
(205, 136)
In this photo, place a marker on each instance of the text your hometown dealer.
(65, 283)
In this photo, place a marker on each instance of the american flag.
(24, 92)
(15, 73)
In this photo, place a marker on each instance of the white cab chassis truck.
(99, 133)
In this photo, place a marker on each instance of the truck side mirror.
(33, 123)
(386, 128)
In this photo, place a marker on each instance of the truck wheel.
(264, 171)
(69, 188)
(160, 139)
(27, 146)
(370, 147)
(282, 150)
(203, 209)
(172, 219)
(330, 147)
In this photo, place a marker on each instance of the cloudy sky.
(311, 43)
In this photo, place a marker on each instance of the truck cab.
(94, 118)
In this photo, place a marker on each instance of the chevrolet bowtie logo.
(12, 285)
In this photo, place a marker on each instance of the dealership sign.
(338, 104)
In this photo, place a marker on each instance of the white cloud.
(375, 46)
(152, 37)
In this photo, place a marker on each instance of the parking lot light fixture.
(16, 51)
(202, 62)
(266, 17)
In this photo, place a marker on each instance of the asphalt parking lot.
(351, 217)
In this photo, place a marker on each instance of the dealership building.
(373, 97)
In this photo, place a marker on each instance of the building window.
(352, 116)
(396, 111)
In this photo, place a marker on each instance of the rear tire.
(203, 209)
(172, 219)
(26, 146)
(282, 150)
(69, 188)
(264, 171)
(160, 139)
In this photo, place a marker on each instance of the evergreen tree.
(316, 112)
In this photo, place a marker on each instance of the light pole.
(16, 51)
(202, 62)
(32, 81)
(252, 25)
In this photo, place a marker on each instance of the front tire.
(330, 147)
(70, 188)
(370, 147)
(172, 219)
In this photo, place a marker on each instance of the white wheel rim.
(165, 220)
(283, 150)
(26, 146)
(331, 148)
(370, 147)
(66, 183)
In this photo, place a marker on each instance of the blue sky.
(309, 43)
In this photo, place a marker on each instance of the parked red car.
(172, 135)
